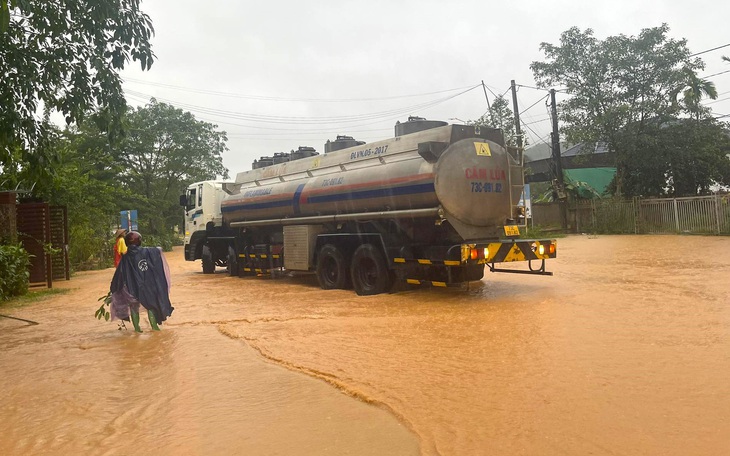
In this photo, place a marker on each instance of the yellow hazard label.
(482, 149)
(315, 163)
(515, 254)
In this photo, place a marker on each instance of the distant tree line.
(109, 157)
(641, 95)
(161, 151)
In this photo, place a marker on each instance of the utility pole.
(484, 87)
(519, 158)
(515, 108)
(557, 164)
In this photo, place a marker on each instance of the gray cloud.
(369, 51)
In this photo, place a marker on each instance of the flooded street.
(625, 351)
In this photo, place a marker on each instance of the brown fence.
(693, 215)
(43, 231)
(34, 228)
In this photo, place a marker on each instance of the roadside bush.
(166, 241)
(14, 274)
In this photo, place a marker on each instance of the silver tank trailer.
(468, 179)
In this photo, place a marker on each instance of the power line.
(540, 88)
(537, 121)
(716, 74)
(533, 104)
(710, 50)
(309, 120)
(717, 101)
(536, 135)
(288, 99)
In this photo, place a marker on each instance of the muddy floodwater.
(624, 351)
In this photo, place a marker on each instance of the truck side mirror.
(183, 200)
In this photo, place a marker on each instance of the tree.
(86, 183)
(698, 156)
(623, 91)
(500, 116)
(164, 150)
(65, 57)
(694, 91)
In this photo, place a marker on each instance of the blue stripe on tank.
(377, 193)
(266, 205)
(297, 195)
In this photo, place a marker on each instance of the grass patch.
(32, 297)
(538, 232)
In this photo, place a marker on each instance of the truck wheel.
(207, 257)
(232, 262)
(332, 270)
(370, 273)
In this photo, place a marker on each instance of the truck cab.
(204, 224)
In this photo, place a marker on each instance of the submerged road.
(626, 350)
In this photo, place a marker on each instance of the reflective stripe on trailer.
(505, 252)
(433, 283)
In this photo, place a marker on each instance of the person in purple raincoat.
(142, 278)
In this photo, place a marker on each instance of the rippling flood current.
(625, 351)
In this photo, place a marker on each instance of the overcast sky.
(281, 74)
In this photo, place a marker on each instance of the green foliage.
(102, 311)
(679, 158)
(625, 90)
(164, 150)
(65, 57)
(95, 177)
(696, 89)
(166, 241)
(615, 82)
(500, 116)
(580, 190)
(14, 275)
(85, 181)
(540, 232)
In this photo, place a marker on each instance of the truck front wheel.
(332, 270)
(207, 257)
(370, 273)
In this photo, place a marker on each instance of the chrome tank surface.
(469, 178)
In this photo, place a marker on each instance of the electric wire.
(710, 50)
(308, 120)
(716, 101)
(716, 74)
(536, 135)
(288, 99)
(533, 104)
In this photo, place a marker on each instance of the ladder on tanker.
(517, 182)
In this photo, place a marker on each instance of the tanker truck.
(434, 205)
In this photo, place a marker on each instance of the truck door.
(193, 210)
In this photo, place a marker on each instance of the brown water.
(626, 350)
